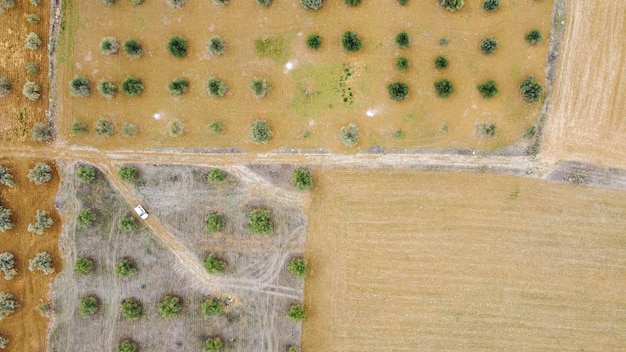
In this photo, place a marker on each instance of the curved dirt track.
(587, 116)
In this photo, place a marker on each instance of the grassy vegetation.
(276, 48)
(127, 346)
(41, 132)
(176, 128)
(129, 129)
(212, 344)
(486, 130)
(32, 68)
(32, 18)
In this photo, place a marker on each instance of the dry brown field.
(587, 116)
(17, 113)
(447, 261)
(26, 328)
(308, 98)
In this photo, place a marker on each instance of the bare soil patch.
(26, 328)
(451, 261)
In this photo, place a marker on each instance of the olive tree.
(127, 223)
(531, 90)
(31, 90)
(132, 86)
(7, 263)
(444, 88)
(40, 174)
(177, 46)
(398, 91)
(41, 132)
(32, 18)
(311, 4)
(4, 341)
(216, 46)
(80, 87)
(302, 179)
(298, 267)
(314, 41)
(259, 87)
(216, 88)
(5, 86)
(178, 86)
(78, 127)
(264, 3)
(488, 89)
(86, 173)
(216, 176)
(104, 127)
(127, 346)
(131, 309)
(533, 37)
(5, 219)
(214, 222)
(129, 129)
(260, 222)
(297, 313)
(107, 88)
(109, 46)
(211, 307)
(32, 68)
(402, 63)
(88, 306)
(7, 305)
(133, 48)
(41, 261)
(169, 306)
(349, 135)
(125, 268)
(403, 40)
(212, 345)
(441, 62)
(44, 221)
(127, 173)
(491, 5)
(83, 266)
(6, 178)
(176, 128)
(32, 41)
(351, 41)
(452, 5)
(489, 46)
(213, 265)
(175, 4)
(85, 217)
(260, 131)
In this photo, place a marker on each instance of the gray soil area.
(180, 196)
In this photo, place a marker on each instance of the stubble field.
(405, 260)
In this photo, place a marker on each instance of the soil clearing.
(18, 114)
(307, 98)
(587, 115)
(26, 328)
(453, 261)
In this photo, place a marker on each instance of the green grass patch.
(277, 48)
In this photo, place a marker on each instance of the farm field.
(587, 116)
(255, 278)
(18, 114)
(305, 107)
(453, 261)
(26, 327)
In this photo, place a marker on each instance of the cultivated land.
(587, 116)
(309, 99)
(450, 261)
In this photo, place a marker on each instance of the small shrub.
(533, 37)
(297, 313)
(86, 173)
(132, 86)
(259, 87)
(126, 346)
(177, 127)
(216, 46)
(441, 62)
(107, 89)
(216, 126)
(4, 341)
(403, 2)
(213, 265)
(32, 41)
(44, 221)
(314, 41)
(349, 135)
(352, 2)
(5, 86)
(531, 90)
(212, 345)
(351, 41)
(35, 2)
(32, 68)
(108, 2)
(169, 306)
(109, 46)
(488, 89)
(176, 4)
(42, 261)
(486, 130)
(85, 217)
(211, 307)
(41, 132)
(452, 5)
(403, 40)
(216, 176)
(398, 91)
(216, 88)
(6, 177)
(444, 88)
(5, 219)
(260, 131)
(213, 223)
(311, 4)
(31, 90)
(7, 305)
(260, 222)
(127, 173)
(104, 127)
(127, 223)
(129, 129)
(178, 86)
(291, 348)
(88, 306)
(7, 263)
(177, 46)
(530, 132)
(44, 309)
(402, 63)
(302, 179)
(491, 5)
(488, 46)
(131, 309)
(125, 268)
(298, 267)
(264, 3)
(83, 266)
(40, 174)
(220, 2)
(80, 87)
(32, 18)
(78, 127)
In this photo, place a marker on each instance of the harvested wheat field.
(27, 328)
(313, 93)
(447, 261)
(587, 116)
(18, 114)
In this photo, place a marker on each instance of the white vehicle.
(141, 212)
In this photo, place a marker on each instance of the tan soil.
(289, 112)
(587, 118)
(26, 328)
(13, 57)
(406, 260)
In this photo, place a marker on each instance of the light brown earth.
(290, 112)
(587, 116)
(13, 56)
(418, 260)
(26, 328)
